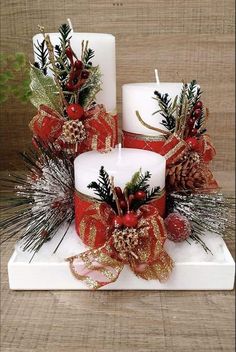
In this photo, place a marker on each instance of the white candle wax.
(105, 57)
(139, 97)
(121, 163)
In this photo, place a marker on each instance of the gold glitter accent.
(143, 137)
(175, 149)
(94, 143)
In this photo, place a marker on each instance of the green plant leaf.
(20, 59)
(44, 90)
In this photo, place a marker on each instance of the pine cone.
(190, 173)
(125, 241)
(73, 132)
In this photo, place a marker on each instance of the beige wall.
(185, 39)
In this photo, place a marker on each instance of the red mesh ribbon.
(101, 130)
(139, 141)
(98, 231)
(47, 124)
(103, 263)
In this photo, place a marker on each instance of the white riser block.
(194, 269)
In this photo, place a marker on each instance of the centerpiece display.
(143, 214)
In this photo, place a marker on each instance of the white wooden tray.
(194, 268)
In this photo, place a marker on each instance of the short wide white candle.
(139, 97)
(121, 163)
(105, 57)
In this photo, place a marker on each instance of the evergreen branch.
(88, 55)
(42, 55)
(102, 188)
(152, 194)
(138, 182)
(166, 110)
(65, 37)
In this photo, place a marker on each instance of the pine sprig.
(211, 212)
(167, 110)
(42, 56)
(138, 182)
(62, 62)
(102, 188)
(65, 36)
(88, 55)
(152, 194)
(35, 204)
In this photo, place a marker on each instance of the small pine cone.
(190, 173)
(73, 132)
(125, 241)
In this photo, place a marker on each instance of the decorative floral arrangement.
(68, 122)
(129, 227)
(128, 230)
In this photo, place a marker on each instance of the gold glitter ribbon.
(102, 264)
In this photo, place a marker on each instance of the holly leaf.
(44, 90)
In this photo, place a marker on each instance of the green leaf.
(5, 76)
(44, 90)
(20, 59)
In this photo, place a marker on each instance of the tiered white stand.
(194, 268)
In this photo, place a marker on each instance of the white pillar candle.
(105, 57)
(139, 97)
(121, 163)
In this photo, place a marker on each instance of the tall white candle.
(105, 57)
(121, 163)
(139, 97)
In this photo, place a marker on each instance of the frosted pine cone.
(189, 173)
(125, 241)
(73, 132)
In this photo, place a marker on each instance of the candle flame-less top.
(139, 97)
(120, 163)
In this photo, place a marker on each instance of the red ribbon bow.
(141, 248)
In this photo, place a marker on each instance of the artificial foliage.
(14, 77)
(36, 203)
(185, 114)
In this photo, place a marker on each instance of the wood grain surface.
(184, 39)
(117, 321)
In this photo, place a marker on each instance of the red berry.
(178, 227)
(69, 54)
(123, 204)
(192, 142)
(198, 105)
(78, 65)
(75, 111)
(85, 74)
(191, 121)
(69, 86)
(140, 195)
(193, 132)
(130, 219)
(118, 221)
(119, 192)
(197, 113)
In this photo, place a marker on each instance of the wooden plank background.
(184, 39)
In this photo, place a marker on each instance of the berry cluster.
(78, 74)
(195, 115)
(129, 218)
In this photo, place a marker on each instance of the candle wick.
(157, 76)
(70, 24)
